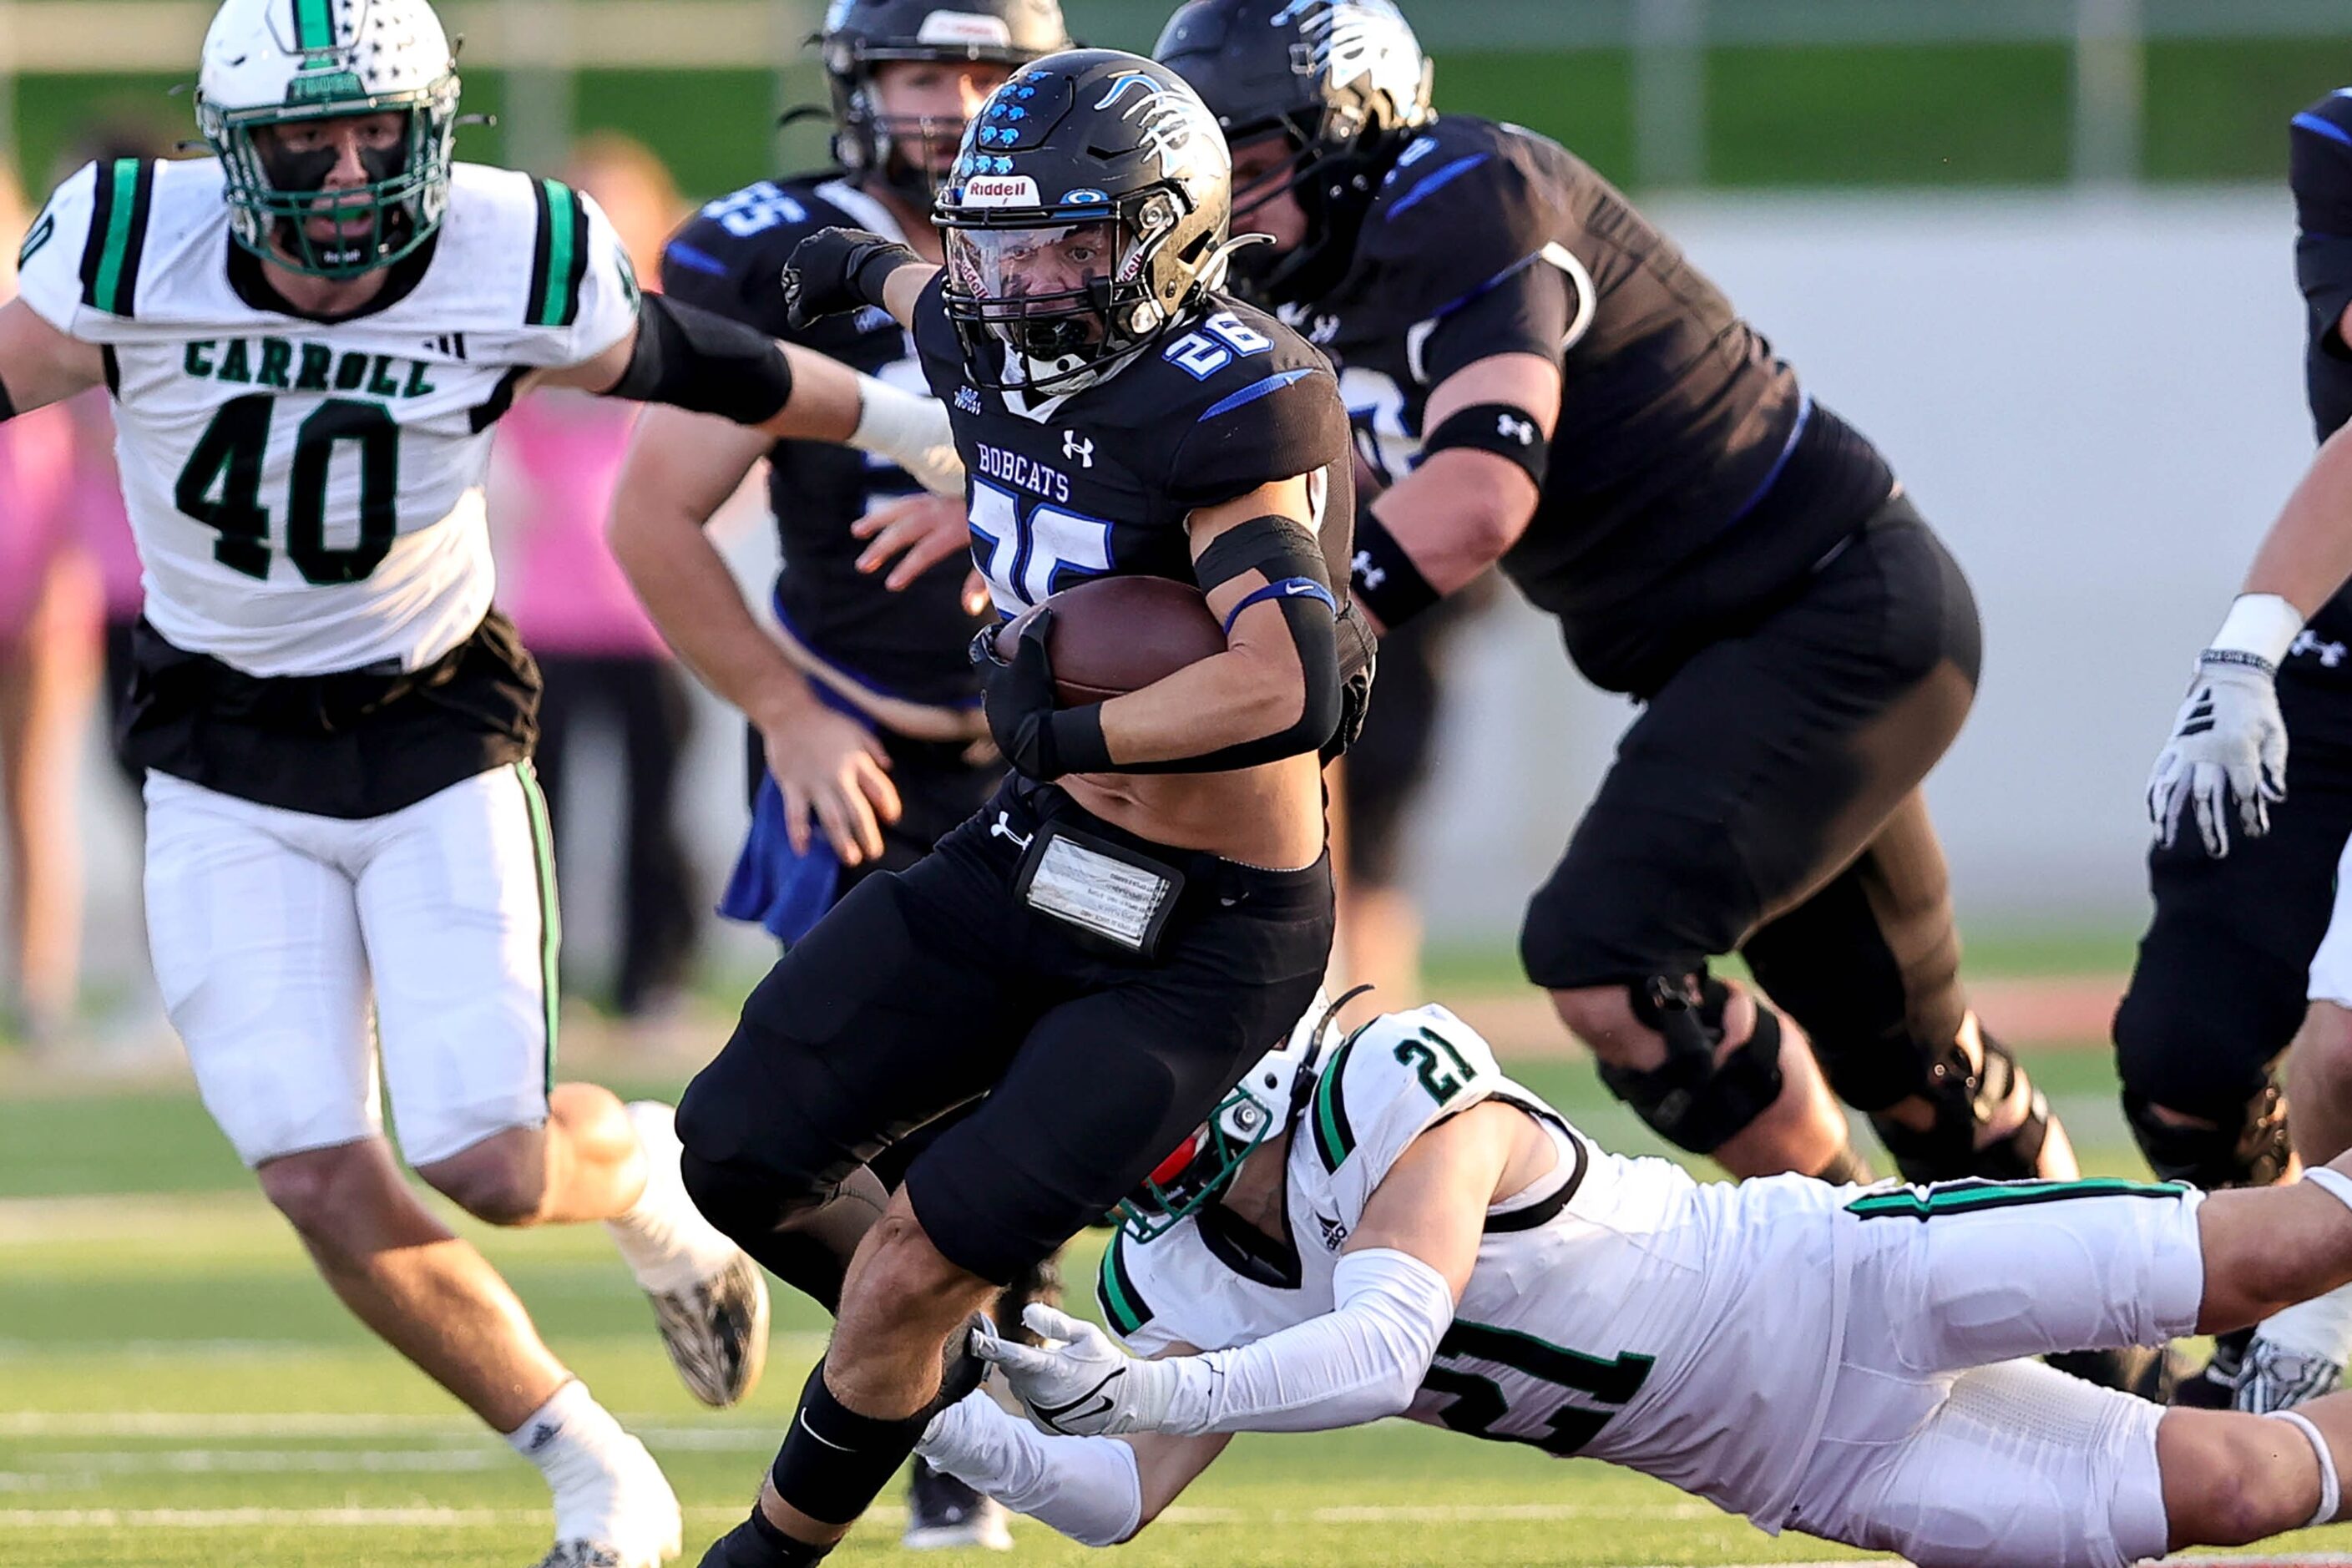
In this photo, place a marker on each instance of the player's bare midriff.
(1269, 817)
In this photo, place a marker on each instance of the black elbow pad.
(704, 362)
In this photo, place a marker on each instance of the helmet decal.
(1168, 121)
(1364, 41)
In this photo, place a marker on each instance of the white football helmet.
(1267, 1100)
(269, 63)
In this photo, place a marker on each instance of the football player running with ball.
(1387, 1225)
(867, 740)
(1540, 379)
(309, 337)
(1145, 905)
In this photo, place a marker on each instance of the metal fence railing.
(540, 43)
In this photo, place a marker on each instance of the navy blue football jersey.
(731, 258)
(1100, 482)
(1690, 477)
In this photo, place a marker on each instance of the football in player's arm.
(1468, 1233)
(1275, 694)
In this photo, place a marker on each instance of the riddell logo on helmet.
(963, 27)
(1001, 190)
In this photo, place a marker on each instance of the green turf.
(157, 1330)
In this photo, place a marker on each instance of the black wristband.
(1077, 743)
(7, 406)
(1383, 575)
(873, 273)
(1508, 432)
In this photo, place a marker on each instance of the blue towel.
(785, 893)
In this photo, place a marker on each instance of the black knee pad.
(1693, 1101)
(2250, 1150)
(1964, 1100)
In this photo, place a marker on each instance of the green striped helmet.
(1267, 1100)
(270, 65)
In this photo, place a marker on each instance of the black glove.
(1039, 740)
(838, 269)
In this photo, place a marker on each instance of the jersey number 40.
(221, 488)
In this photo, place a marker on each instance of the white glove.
(911, 431)
(1080, 1384)
(2230, 742)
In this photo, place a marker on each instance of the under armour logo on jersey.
(967, 399)
(1362, 570)
(2331, 654)
(1513, 428)
(1076, 446)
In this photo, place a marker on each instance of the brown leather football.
(1111, 635)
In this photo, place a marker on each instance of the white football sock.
(607, 1488)
(664, 1240)
(567, 1438)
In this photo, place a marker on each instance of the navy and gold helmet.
(1087, 212)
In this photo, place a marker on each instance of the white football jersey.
(307, 495)
(1618, 1308)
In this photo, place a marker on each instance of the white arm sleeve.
(1356, 1363)
(1086, 1487)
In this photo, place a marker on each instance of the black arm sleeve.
(1287, 555)
(691, 359)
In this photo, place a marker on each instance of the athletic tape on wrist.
(2262, 625)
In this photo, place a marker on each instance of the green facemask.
(274, 196)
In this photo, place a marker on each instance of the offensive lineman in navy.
(1539, 379)
(1145, 905)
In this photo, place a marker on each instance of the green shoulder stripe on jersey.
(118, 236)
(314, 25)
(1335, 1139)
(559, 255)
(1972, 1196)
(1123, 1306)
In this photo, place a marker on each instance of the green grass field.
(176, 1386)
